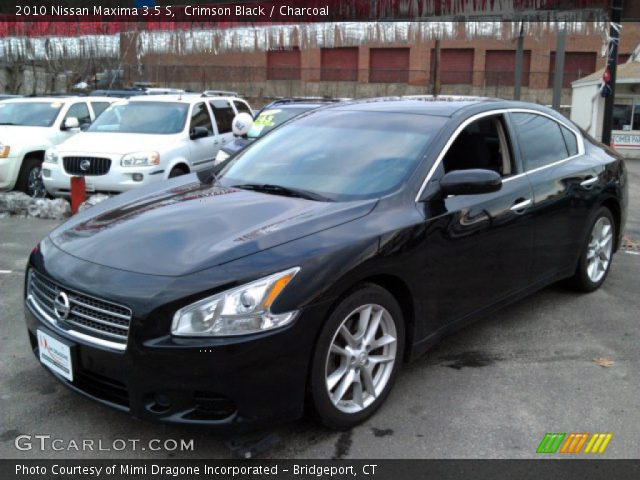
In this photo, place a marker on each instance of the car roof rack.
(219, 93)
(285, 100)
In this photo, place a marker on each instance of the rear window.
(541, 141)
(271, 118)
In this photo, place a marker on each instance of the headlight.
(239, 311)
(140, 159)
(220, 157)
(51, 156)
(4, 150)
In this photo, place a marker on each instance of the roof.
(441, 105)
(625, 73)
(188, 97)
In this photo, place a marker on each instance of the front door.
(203, 150)
(477, 248)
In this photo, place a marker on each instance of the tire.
(30, 178)
(363, 382)
(177, 171)
(597, 252)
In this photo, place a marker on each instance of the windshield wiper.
(287, 191)
(6, 123)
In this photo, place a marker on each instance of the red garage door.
(339, 64)
(456, 66)
(500, 67)
(389, 65)
(283, 64)
(576, 65)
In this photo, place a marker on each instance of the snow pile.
(22, 205)
(92, 200)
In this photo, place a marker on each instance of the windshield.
(29, 114)
(270, 119)
(340, 155)
(160, 118)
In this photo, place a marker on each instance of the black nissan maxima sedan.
(321, 258)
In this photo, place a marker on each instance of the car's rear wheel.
(30, 178)
(357, 357)
(595, 259)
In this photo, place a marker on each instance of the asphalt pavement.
(490, 391)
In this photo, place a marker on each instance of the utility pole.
(436, 68)
(519, 54)
(558, 74)
(612, 64)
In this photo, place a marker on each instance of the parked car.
(6, 96)
(143, 140)
(29, 126)
(269, 117)
(320, 258)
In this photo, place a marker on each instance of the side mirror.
(70, 122)
(198, 132)
(470, 182)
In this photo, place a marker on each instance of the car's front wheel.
(357, 357)
(595, 259)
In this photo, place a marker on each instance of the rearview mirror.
(70, 122)
(198, 132)
(470, 182)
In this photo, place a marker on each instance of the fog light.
(46, 172)
(137, 177)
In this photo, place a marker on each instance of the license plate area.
(55, 354)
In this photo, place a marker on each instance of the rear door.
(477, 248)
(563, 180)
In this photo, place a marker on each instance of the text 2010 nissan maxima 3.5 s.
(320, 258)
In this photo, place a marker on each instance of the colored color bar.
(603, 447)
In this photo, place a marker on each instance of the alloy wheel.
(361, 358)
(35, 185)
(600, 249)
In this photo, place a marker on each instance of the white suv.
(29, 126)
(142, 140)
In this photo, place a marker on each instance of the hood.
(115, 143)
(184, 225)
(20, 135)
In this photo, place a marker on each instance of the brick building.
(478, 67)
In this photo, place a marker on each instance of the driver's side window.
(482, 144)
(79, 111)
(200, 118)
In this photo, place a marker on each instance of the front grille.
(88, 315)
(92, 165)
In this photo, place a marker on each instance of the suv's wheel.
(357, 357)
(597, 253)
(177, 171)
(30, 178)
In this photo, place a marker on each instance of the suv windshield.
(271, 118)
(337, 154)
(29, 114)
(142, 117)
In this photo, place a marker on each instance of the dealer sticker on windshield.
(55, 355)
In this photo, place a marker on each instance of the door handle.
(520, 206)
(589, 181)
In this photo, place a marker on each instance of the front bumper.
(119, 179)
(9, 169)
(235, 384)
